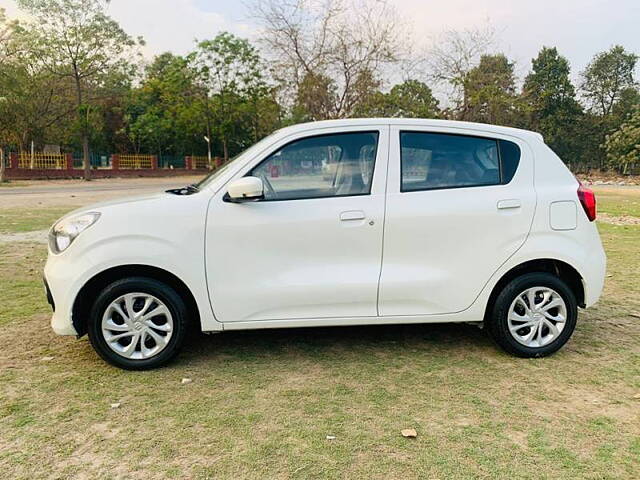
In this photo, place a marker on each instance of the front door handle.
(352, 215)
(506, 204)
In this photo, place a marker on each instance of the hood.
(117, 202)
(126, 200)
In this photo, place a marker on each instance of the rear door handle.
(506, 204)
(352, 215)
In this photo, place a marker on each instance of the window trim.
(500, 140)
(375, 131)
(476, 185)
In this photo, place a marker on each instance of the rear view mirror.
(245, 189)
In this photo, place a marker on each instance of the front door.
(312, 248)
(459, 205)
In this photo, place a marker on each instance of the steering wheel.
(267, 183)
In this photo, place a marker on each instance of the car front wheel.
(534, 315)
(137, 323)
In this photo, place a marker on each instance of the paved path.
(76, 193)
(134, 185)
(38, 236)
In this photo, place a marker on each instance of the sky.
(579, 28)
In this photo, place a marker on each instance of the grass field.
(261, 404)
(29, 219)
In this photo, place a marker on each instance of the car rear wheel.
(534, 315)
(137, 323)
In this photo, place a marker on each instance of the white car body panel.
(310, 258)
(295, 263)
(130, 233)
(436, 241)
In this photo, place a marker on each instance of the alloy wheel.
(137, 326)
(537, 316)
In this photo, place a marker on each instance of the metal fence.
(199, 161)
(96, 160)
(136, 161)
(171, 161)
(40, 161)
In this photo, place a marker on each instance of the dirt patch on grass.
(618, 219)
(37, 236)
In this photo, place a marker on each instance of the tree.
(76, 39)
(7, 29)
(7, 37)
(623, 146)
(453, 55)
(410, 99)
(316, 97)
(609, 88)
(229, 72)
(161, 115)
(34, 104)
(551, 104)
(490, 92)
(606, 77)
(324, 50)
(413, 99)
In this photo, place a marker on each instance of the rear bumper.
(593, 274)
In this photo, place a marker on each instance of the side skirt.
(348, 321)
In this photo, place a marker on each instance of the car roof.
(422, 122)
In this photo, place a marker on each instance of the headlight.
(65, 231)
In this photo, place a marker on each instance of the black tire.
(162, 292)
(497, 323)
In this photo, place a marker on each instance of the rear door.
(459, 204)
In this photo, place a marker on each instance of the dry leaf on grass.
(409, 433)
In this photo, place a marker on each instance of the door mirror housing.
(245, 189)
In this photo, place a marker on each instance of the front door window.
(322, 166)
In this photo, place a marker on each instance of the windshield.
(219, 171)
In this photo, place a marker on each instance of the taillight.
(588, 201)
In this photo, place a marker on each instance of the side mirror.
(245, 189)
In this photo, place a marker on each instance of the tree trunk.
(209, 145)
(85, 156)
(83, 129)
(1, 165)
(225, 149)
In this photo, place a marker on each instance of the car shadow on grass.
(344, 341)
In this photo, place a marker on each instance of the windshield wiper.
(188, 190)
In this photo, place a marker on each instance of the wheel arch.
(559, 268)
(83, 301)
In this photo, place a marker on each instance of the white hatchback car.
(420, 221)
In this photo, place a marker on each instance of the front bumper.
(62, 325)
(62, 284)
(47, 292)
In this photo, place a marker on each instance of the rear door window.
(432, 161)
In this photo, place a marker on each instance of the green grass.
(21, 288)
(14, 220)
(262, 403)
(12, 183)
(618, 201)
